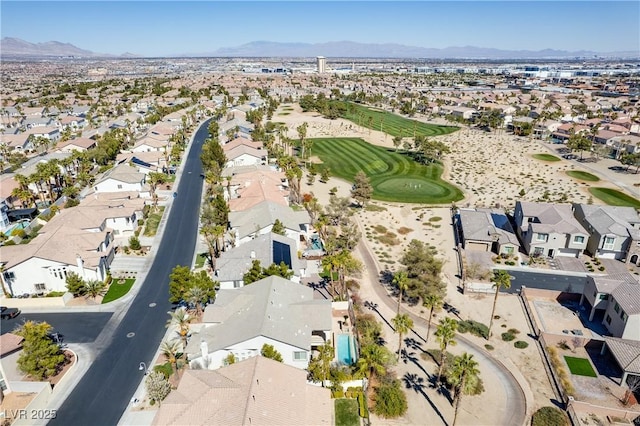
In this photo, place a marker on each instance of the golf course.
(394, 176)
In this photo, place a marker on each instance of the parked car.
(8, 313)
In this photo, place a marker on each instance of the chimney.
(80, 264)
(204, 349)
(252, 255)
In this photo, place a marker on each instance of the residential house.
(268, 248)
(249, 186)
(77, 144)
(486, 230)
(72, 122)
(626, 354)
(627, 144)
(617, 297)
(148, 144)
(122, 178)
(259, 219)
(243, 155)
(47, 132)
(614, 231)
(19, 142)
(257, 391)
(272, 311)
(550, 230)
(9, 344)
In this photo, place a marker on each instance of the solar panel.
(282, 253)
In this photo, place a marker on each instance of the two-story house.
(272, 311)
(486, 230)
(550, 230)
(614, 231)
(122, 178)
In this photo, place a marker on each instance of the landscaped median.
(118, 288)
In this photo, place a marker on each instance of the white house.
(122, 178)
(244, 155)
(271, 311)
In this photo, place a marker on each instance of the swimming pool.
(346, 349)
(19, 225)
(316, 244)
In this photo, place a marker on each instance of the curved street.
(508, 402)
(103, 393)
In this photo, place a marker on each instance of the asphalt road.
(547, 281)
(103, 393)
(81, 327)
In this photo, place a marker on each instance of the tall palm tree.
(197, 295)
(373, 360)
(445, 335)
(95, 288)
(401, 280)
(181, 319)
(501, 279)
(171, 350)
(5, 292)
(432, 301)
(402, 323)
(464, 376)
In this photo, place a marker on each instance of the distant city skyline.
(158, 28)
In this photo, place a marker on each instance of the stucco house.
(272, 311)
(243, 155)
(550, 230)
(259, 219)
(614, 232)
(617, 297)
(486, 230)
(268, 248)
(122, 178)
(256, 391)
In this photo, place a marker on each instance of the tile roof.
(123, 173)
(626, 352)
(265, 214)
(553, 218)
(256, 391)
(479, 224)
(273, 307)
(611, 219)
(9, 343)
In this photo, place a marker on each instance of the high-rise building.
(322, 64)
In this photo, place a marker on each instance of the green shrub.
(71, 202)
(362, 406)
(337, 394)
(391, 402)
(55, 294)
(474, 327)
(513, 331)
(18, 232)
(547, 416)
(520, 344)
(9, 243)
(507, 337)
(140, 222)
(488, 347)
(165, 369)
(134, 243)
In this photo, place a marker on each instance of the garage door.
(567, 253)
(609, 255)
(475, 246)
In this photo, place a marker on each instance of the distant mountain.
(389, 50)
(10, 46)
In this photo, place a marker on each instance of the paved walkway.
(503, 393)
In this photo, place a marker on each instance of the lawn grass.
(153, 221)
(117, 289)
(580, 366)
(347, 412)
(394, 176)
(392, 124)
(613, 197)
(545, 157)
(200, 259)
(580, 175)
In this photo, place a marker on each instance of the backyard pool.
(346, 349)
(20, 225)
(316, 244)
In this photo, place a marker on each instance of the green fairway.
(576, 174)
(394, 177)
(580, 366)
(392, 124)
(545, 157)
(613, 197)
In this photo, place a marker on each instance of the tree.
(278, 227)
(198, 296)
(423, 270)
(181, 319)
(134, 243)
(432, 302)
(463, 376)
(268, 351)
(391, 401)
(401, 281)
(325, 174)
(302, 134)
(397, 141)
(154, 180)
(158, 386)
(95, 288)
(320, 365)
(230, 359)
(501, 279)
(41, 357)
(374, 360)
(254, 273)
(402, 324)
(75, 284)
(445, 335)
(171, 351)
(579, 142)
(362, 189)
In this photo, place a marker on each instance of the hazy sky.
(173, 27)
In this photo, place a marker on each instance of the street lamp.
(143, 367)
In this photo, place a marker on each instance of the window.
(119, 186)
(508, 250)
(542, 237)
(608, 319)
(608, 243)
(40, 287)
(595, 293)
(579, 239)
(603, 296)
(538, 251)
(616, 308)
(300, 356)
(623, 316)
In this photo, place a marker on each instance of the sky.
(157, 28)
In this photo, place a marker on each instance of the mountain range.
(343, 49)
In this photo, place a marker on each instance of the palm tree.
(401, 280)
(431, 301)
(95, 288)
(501, 279)
(373, 360)
(464, 376)
(402, 323)
(171, 350)
(5, 292)
(445, 335)
(181, 318)
(197, 295)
